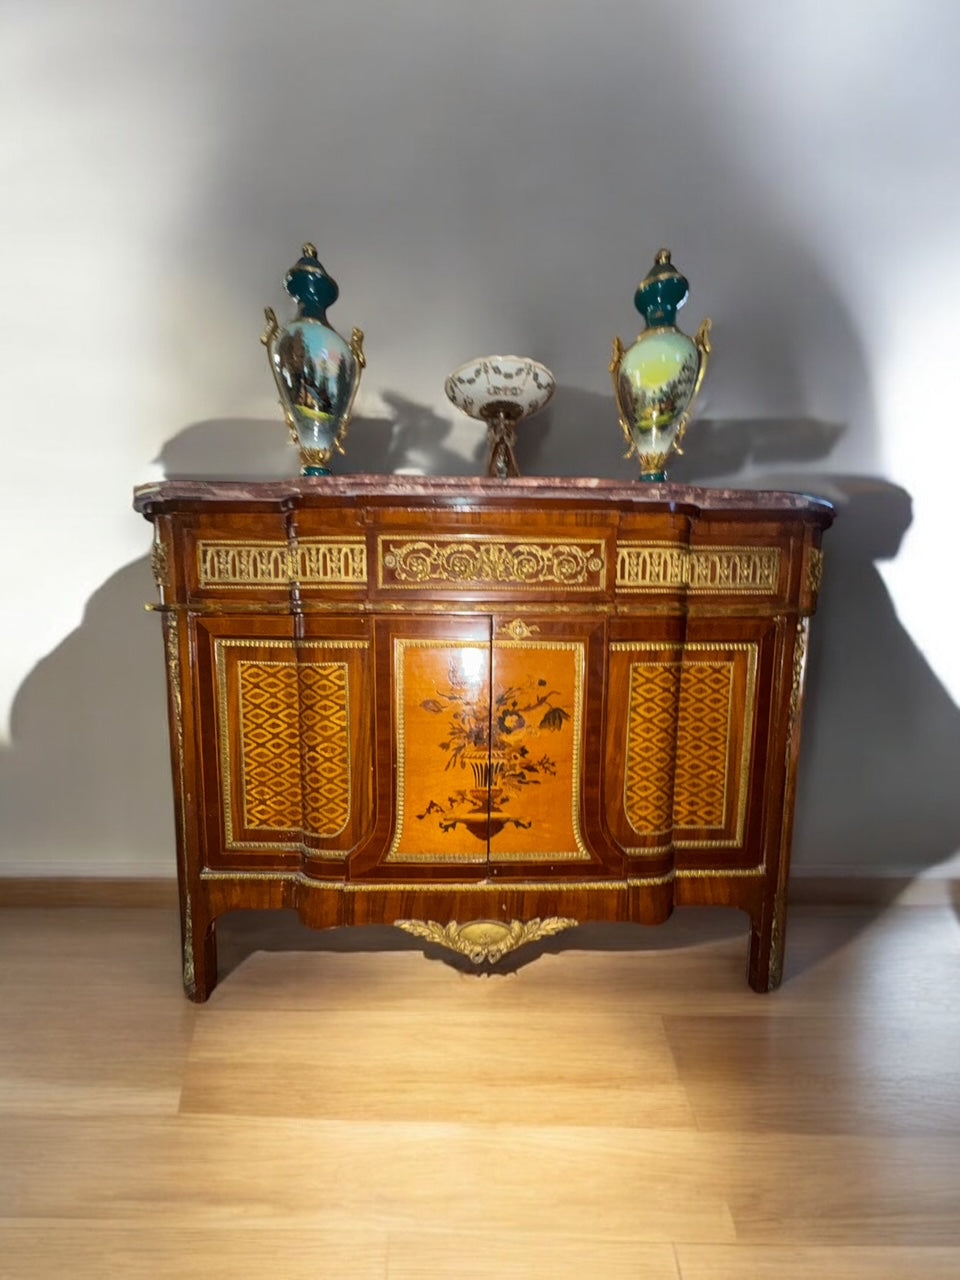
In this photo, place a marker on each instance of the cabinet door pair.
(462, 741)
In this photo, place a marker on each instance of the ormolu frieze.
(324, 561)
(651, 566)
(753, 569)
(331, 562)
(476, 561)
(669, 566)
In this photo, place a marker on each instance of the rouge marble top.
(162, 495)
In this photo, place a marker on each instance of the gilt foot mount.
(485, 941)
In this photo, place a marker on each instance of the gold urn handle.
(268, 337)
(618, 350)
(705, 347)
(356, 346)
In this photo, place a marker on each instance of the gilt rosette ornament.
(658, 378)
(317, 371)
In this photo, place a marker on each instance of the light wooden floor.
(629, 1112)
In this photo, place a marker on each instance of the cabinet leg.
(200, 967)
(765, 965)
(199, 955)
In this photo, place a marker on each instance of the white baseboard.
(871, 889)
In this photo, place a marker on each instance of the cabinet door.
(546, 718)
(686, 744)
(436, 728)
(490, 724)
(286, 732)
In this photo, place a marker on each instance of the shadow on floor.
(242, 933)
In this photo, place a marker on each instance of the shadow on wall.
(86, 781)
(579, 425)
(411, 436)
(881, 749)
(878, 777)
(86, 784)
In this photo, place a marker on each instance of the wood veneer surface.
(456, 702)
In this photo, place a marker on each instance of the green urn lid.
(309, 283)
(661, 292)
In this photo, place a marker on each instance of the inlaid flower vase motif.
(657, 378)
(317, 371)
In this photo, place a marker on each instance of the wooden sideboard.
(483, 710)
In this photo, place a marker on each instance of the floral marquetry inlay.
(456, 561)
(489, 751)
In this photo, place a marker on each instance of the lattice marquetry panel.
(703, 744)
(294, 738)
(689, 737)
(651, 740)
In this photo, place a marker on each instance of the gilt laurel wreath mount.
(486, 941)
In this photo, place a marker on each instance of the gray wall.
(478, 177)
